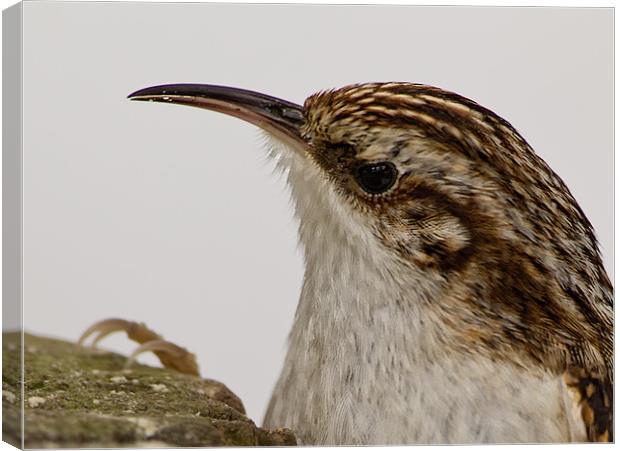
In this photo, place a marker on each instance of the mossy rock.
(87, 398)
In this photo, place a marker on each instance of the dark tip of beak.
(269, 113)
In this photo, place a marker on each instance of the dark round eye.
(376, 178)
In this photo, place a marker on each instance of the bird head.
(375, 153)
(448, 190)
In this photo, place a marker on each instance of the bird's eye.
(376, 178)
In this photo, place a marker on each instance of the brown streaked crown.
(475, 204)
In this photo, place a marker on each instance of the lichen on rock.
(77, 397)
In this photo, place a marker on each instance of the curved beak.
(278, 117)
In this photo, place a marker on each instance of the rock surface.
(86, 398)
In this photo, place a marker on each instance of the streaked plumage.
(480, 240)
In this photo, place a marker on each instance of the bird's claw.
(169, 354)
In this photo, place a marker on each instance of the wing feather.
(591, 396)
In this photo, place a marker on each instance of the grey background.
(11, 168)
(171, 216)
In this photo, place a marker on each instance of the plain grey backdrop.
(172, 216)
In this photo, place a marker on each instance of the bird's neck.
(353, 288)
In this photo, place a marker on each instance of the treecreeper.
(453, 290)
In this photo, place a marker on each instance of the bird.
(453, 290)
